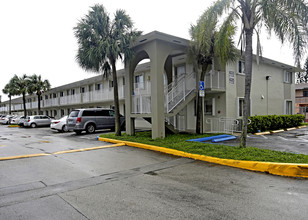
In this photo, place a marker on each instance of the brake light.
(28, 120)
(56, 122)
(78, 119)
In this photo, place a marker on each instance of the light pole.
(267, 79)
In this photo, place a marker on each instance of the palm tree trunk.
(24, 103)
(116, 100)
(199, 102)
(39, 103)
(248, 76)
(10, 105)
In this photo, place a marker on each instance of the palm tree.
(22, 88)
(207, 43)
(287, 19)
(38, 86)
(101, 42)
(10, 90)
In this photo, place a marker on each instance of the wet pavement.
(295, 141)
(131, 183)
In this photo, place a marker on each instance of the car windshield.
(74, 113)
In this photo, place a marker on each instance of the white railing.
(215, 80)
(223, 125)
(177, 91)
(51, 102)
(141, 104)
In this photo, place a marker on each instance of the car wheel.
(90, 129)
(64, 128)
(33, 125)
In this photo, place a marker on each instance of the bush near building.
(274, 122)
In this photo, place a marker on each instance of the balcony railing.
(301, 100)
(215, 80)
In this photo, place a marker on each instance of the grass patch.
(178, 142)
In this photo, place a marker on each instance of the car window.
(45, 117)
(88, 113)
(74, 113)
(111, 113)
(102, 113)
(36, 117)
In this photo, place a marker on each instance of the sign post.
(202, 94)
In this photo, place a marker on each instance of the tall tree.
(38, 86)
(287, 19)
(22, 85)
(208, 43)
(102, 42)
(10, 90)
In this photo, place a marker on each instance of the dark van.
(92, 119)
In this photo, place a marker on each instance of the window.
(90, 88)
(305, 93)
(46, 96)
(82, 89)
(287, 77)
(62, 112)
(72, 91)
(88, 113)
(240, 107)
(110, 84)
(102, 113)
(55, 112)
(209, 106)
(98, 86)
(288, 109)
(54, 95)
(180, 70)
(139, 80)
(241, 67)
(67, 92)
(61, 94)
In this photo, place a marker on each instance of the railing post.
(141, 110)
(184, 89)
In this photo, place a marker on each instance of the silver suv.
(92, 119)
(37, 120)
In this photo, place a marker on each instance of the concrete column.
(158, 56)
(130, 122)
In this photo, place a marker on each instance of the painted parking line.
(264, 136)
(285, 139)
(60, 152)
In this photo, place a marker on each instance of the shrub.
(274, 122)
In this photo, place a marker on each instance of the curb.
(281, 130)
(280, 169)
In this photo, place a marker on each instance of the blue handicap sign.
(201, 85)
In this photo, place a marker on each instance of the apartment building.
(301, 99)
(158, 89)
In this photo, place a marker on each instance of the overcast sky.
(37, 35)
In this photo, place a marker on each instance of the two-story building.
(161, 92)
(301, 99)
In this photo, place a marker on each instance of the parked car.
(59, 125)
(6, 119)
(92, 119)
(15, 120)
(37, 120)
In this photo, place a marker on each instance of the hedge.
(274, 122)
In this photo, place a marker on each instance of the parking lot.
(129, 183)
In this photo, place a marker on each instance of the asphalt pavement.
(129, 183)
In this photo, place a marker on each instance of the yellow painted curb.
(60, 152)
(303, 126)
(281, 169)
(13, 126)
(290, 129)
(262, 133)
(277, 131)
